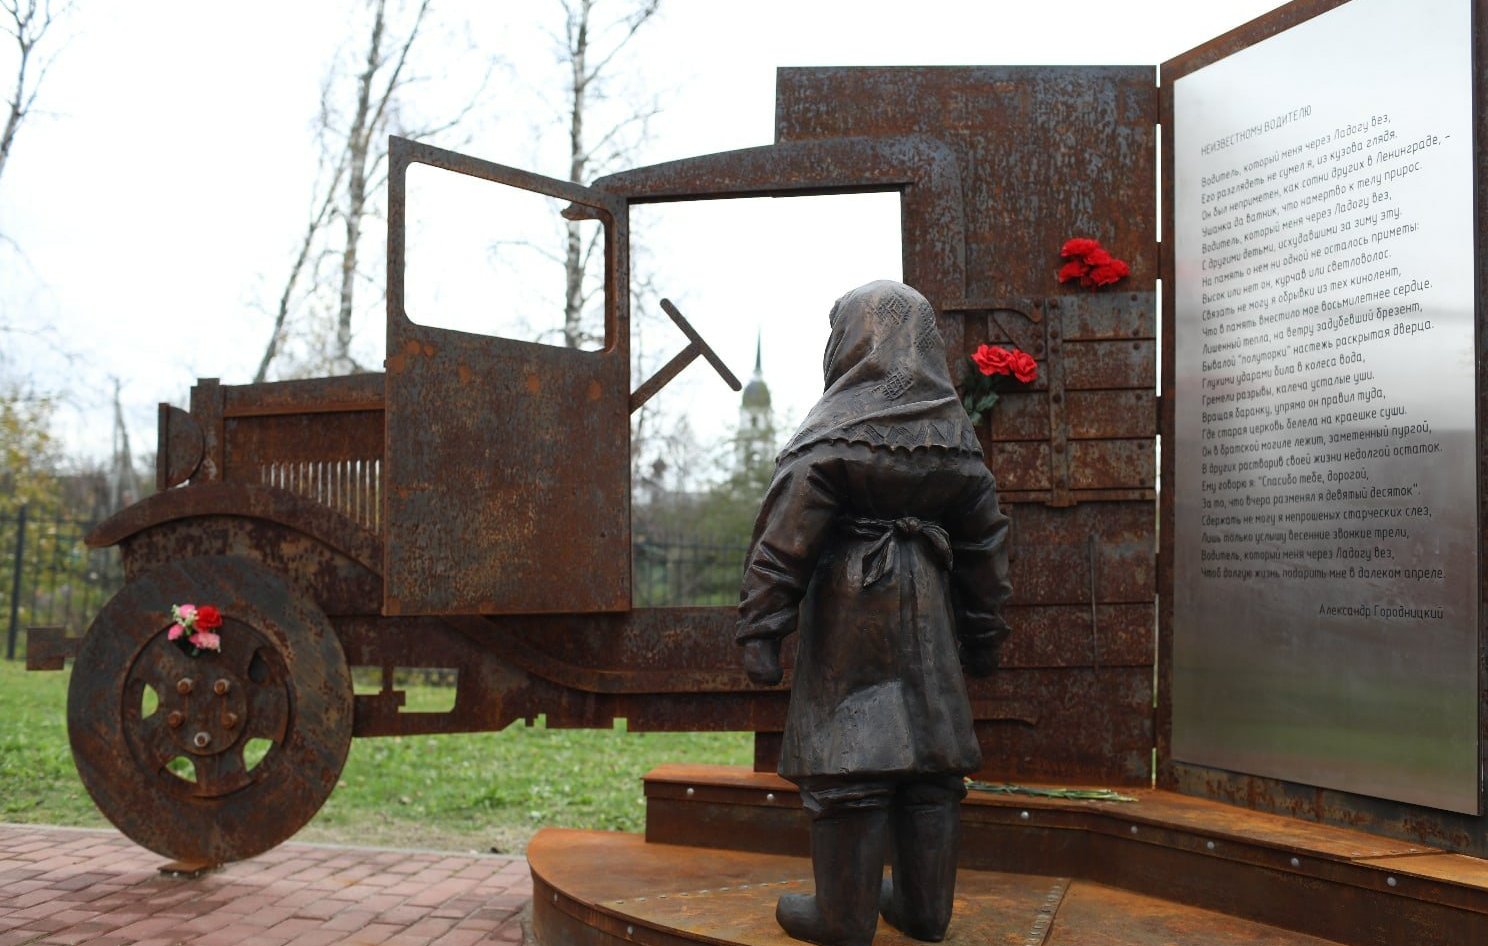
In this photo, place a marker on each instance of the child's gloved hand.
(762, 662)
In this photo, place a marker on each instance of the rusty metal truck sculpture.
(457, 512)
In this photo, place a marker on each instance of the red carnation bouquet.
(997, 370)
(1091, 264)
(195, 628)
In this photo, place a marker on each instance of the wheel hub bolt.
(201, 740)
(221, 687)
(175, 719)
(229, 720)
(183, 685)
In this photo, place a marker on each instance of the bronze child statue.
(880, 540)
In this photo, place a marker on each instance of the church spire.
(756, 437)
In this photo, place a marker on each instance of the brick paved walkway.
(96, 888)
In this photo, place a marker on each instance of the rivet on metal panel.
(1023, 815)
(691, 792)
(175, 719)
(221, 687)
(1209, 845)
(183, 685)
(1133, 829)
(1296, 862)
(201, 740)
(769, 796)
(1391, 881)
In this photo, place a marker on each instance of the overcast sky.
(157, 201)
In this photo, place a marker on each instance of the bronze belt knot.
(879, 559)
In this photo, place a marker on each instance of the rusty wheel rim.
(208, 712)
(220, 756)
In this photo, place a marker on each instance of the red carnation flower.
(1079, 246)
(1074, 269)
(992, 360)
(208, 618)
(1109, 273)
(1092, 265)
(1024, 368)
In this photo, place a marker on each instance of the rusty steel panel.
(1027, 465)
(1053, 554)
(256, 441)
(1109, 635)
(1089, 415)
(1084, 431)
(507, 478)
(1046, 153)
(311, 563)
(206, 410)
(1108, 364)
(1108, 315)
(1087, 724)
(179, 447)
(353, 392)
(1097, 464)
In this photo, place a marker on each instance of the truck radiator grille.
(351, 487)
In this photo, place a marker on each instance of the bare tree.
(26, 22)
(590, 44)
(359, 107)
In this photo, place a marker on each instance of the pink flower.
(175, 632)
(206, 640)
(185, 613)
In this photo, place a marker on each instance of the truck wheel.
(221, 756)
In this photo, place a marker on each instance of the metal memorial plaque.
(1326, 533)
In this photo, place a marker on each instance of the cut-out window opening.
(492, 259)
(757, 278)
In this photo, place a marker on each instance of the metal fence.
(48, 576)
(674, 571)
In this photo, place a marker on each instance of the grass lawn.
(466, 792)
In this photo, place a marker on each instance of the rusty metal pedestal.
(722, 844)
